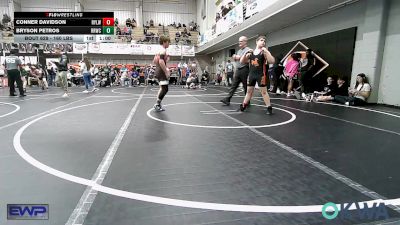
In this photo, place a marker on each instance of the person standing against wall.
(242, 70)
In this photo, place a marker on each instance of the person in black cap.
(13, 65)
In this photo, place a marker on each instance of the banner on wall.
(94, 48)
(255, 6)
(22, 47)
(235, 16)
(188, 50)
(24, 59)
(108, 48)
(151, 49)
(136, 49)
(26, 48)
(174, 50)
(80, 48)
(222, 26)
(50, 48)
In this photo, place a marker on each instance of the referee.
(242, 71)
(13, 64)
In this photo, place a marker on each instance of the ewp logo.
(27, 212)
(330, 211)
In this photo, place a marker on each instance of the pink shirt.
(291, 68)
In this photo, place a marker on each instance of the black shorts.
(260, 80)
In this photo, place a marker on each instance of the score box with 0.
(103, 30)
(108, 22)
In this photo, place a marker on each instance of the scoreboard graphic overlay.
(47, 27)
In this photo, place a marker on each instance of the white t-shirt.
(83, 67)
(363, 88)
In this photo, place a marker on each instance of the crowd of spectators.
(225, 9)
(183, 36)
(125, 32)
(192, 26)
(6, 27)
(295, 78)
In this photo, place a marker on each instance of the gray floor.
(263, 166)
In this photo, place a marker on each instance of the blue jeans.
(87, 79)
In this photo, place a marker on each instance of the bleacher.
(138, 34)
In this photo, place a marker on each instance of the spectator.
(191, 25)
(135, 77)
(51, 71)
(291, 71)
(125, 79)
(193, 67)
(224, 11)
(151, 78)
(134, 24)
(128, 22)
(177, 36)
(74, 79)
(33, 76)
(151, 23)
(341, 90)
(358, 95)
(42, 77)
(229, 70)
(85, 67)
(116, 22)
(205, 76)
(230, 6)
(25, 71)
(328, 90)
(125, 30)
(219, 75)
(274, 72)
(179, 25)
(217, 17)
(6, 20)
(307, 66)
(191, 81)
(142, 75)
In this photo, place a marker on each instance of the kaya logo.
(330, 211)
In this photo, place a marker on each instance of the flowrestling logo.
(27, 211)
(376, 212)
